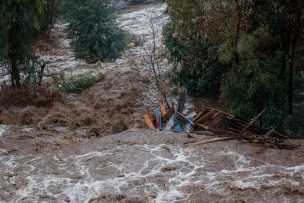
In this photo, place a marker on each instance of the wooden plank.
(230, 133)
(149, 121)
(207, 132)
(205, 127)
(204, 118)
(168, 114)
(224, 112)
(269, 133)
(162, 108)
(255, 119)
(197, 116)
(216, 119)
(205, 141)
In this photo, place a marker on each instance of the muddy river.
(53, 160)
(144, 166)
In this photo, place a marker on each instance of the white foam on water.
(298, 171)
(3, 129)
(170, 196)
(239, 160)
(139, 22)
(82, 190)
(240, 184)
(165, 175)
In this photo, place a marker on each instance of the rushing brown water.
(144, 166)
(60, 165)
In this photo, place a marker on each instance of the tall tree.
(18, 21)
(285, 20)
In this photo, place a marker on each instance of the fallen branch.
(205, 141)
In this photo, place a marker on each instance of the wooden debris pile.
(216, 123)
(228, 126)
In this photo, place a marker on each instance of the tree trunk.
(15, 74)
(283, 67)
(13, 57)
(237, 32)
(297, 36)
(290, 81)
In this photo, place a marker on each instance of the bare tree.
(153, 59)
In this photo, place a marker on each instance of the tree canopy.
(247, 53)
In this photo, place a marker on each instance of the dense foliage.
(19, 19)
(249, 53)
(196, 67)
(51, 8)
(97, 35)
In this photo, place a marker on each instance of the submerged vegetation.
(76, 85)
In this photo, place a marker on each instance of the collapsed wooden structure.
(218, 124)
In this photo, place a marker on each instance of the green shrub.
(97, 34)
(76, 85)
(252, 86)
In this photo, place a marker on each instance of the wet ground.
(144, 166)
